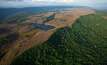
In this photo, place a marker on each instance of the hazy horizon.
(34, 3)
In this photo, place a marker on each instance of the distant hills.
(7, 12)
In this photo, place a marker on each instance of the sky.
(30, 3)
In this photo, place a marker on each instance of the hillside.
(17, 37)
(83, 43)
(28, 11)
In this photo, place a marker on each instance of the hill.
(83, 43)
(27, 11)
(17, 37)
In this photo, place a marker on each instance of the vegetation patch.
(102, 13)
(8, 38)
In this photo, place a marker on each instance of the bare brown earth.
(105, 17)
(29, 39)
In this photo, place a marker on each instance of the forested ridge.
(83, 43)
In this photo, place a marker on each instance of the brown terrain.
(28, 37)
(105, 17)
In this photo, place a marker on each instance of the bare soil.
(62, 19)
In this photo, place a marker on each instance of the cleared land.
(28, 36)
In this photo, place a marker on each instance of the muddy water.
(43, 27)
